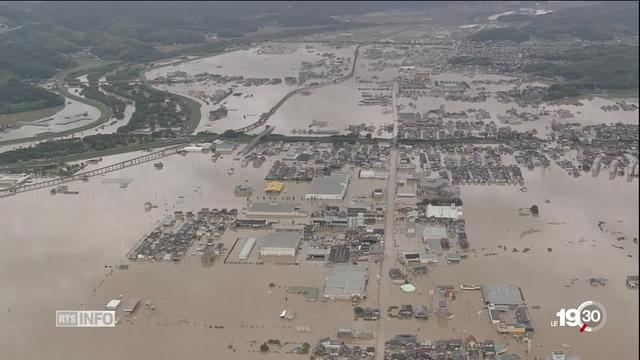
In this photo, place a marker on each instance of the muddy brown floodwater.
(55, 249)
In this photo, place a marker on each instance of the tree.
(534, 210)
(264, 348)
(230, 134)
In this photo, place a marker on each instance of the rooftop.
(346, 280)
(502, 294)
(274, 186)
(265, 207)
(434, 246)
(335, 184)
(281, 239)
(434, 232)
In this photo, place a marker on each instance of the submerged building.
(332, 187)
(281, 243)
(502, 295)
(346, 281)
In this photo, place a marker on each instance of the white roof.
(113, 304)
(434, 232)
(408, 288)
(448, 212)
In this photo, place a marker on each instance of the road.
(390, 247)
(265, 117)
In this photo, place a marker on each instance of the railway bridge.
(90, 173)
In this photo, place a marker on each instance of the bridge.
(247, 149)
(265, 116)
(90, 173)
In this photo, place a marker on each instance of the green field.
(105, 111)
(29, 115)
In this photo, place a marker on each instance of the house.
(397, 277)
(453, 258)
(422, 313)
(411, 257)
(405, 312)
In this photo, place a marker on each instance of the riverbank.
(27, 116)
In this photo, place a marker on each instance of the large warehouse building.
(281, 243)
(444, 212)
(266, 209)
(346, 282)
(502, 295)
(434, 232)
(332, 187)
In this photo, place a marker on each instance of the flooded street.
(349, 180)
(63, 265)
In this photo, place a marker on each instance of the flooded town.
(393, 188)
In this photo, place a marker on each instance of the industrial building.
(444, 212)
(283, 243)
(246, 249)
(502, 295)
(332, 187)
(346, 282)
(434, 232)
(372, 174)
(265, 209)
(432, 184)
(434, 246)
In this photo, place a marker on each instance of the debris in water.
(528, 232)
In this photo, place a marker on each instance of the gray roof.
(281, 239)
(318, 252)
(346, 280)
(434, 246)
(502, 294)
(434, 232)
(332, 184)
(508, 357)
(453, 257)
(433, 183)
(274, 207)
(406, 116)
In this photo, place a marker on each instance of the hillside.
(590, 68)
(603, 21)
(500, 34)
(597, 22)
(17, 96)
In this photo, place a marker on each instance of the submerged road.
(390, 253)
(390, 246)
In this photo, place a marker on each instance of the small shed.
(113, 304)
